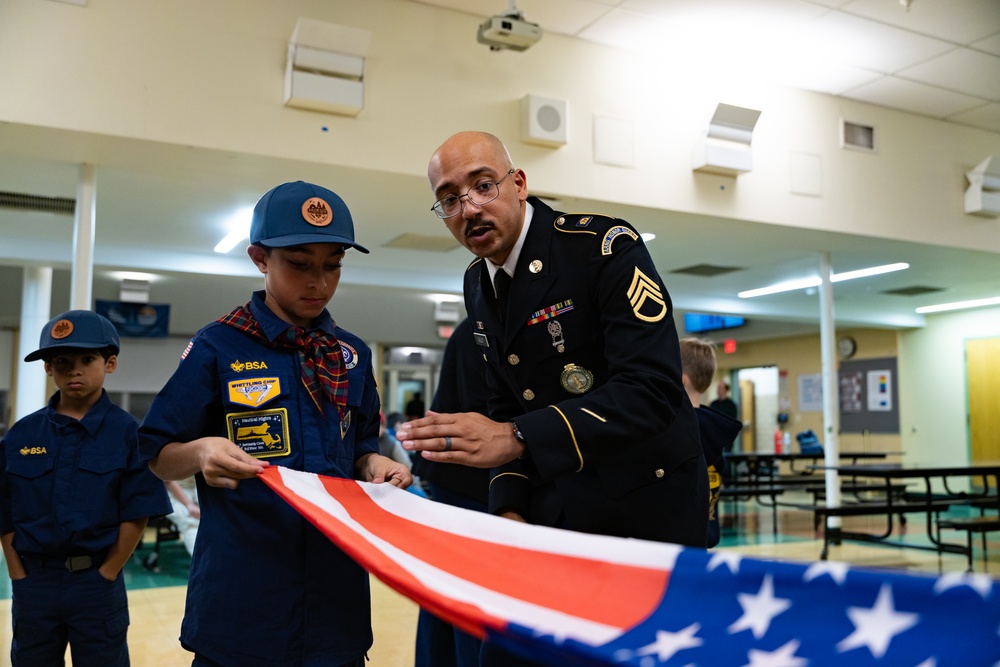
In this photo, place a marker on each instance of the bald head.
(469, 160)
(468, 147)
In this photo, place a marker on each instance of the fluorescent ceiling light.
(959, 305)
(239, 223)
(815, 281)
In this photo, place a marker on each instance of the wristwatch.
(520, 438)
(517, 433)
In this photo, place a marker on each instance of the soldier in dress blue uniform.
(590, 428)
(74, 501)
(274, 381)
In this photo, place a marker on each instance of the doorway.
(758, 403)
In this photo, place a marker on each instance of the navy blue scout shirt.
(266, 587)
(67, 485)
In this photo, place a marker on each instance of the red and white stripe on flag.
(478, 571)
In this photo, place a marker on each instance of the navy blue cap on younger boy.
(78, 329)
(299, 213)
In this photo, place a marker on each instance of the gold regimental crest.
(645, 296)
(576, 379)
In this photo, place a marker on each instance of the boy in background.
(716, 429)
(274, 381)
(74, 501)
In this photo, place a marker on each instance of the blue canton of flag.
(723, 610)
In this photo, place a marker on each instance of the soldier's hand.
(468, 438)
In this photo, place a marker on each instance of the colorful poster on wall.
(880, 391)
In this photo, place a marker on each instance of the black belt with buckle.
(71, 563)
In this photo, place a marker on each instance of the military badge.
(614, 233)
(576, 379)
(555, 330)
(646, 298)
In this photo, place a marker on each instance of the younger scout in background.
(274, 381)
(74, 501)
(717, 430)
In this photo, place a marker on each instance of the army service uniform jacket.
(588, 365)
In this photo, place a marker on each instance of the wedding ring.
(447, 443)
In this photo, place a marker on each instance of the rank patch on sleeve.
(254, 391)
(614, 233)
(646, 298)
(262, 434)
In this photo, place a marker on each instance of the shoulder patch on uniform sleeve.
(646, 298)
(612, 234)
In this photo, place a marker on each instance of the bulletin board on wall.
(869, 396)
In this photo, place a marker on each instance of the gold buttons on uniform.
(528, 395)
(535, 266)
(659, 472)
(560, 220)
(513, 360)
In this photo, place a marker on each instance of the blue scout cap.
(299, 213)
(82, 329)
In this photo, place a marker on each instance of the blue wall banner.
(136, 320)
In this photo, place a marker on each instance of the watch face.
(846, 346)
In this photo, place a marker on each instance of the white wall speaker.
(543, 121)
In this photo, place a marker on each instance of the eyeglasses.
(481, 193)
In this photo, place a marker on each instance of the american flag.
(565, 598)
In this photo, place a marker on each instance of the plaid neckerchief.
(321, 359)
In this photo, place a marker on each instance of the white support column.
(36, 300)
(82, 281)
(831, 397)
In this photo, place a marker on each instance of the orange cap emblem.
(61, 329)
(317, 212)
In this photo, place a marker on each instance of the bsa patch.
(262, 434)
(254, 392)
(614, 233)
(646, 298)
(28, 451)
(350, 355)
(345, 425)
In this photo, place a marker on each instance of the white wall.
(933, 405)
(210, 74)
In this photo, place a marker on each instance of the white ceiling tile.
(986, 117)
(869, 44)
(963, 70)
(959, 21)
(990, 44)
(567, 17)
(831, 78)
(625, 30)
(915, 97)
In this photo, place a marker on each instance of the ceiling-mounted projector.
(508, 31)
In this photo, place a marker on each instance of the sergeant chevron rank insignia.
(646, 298)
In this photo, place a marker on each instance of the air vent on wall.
(23, 202)
(857, 137)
